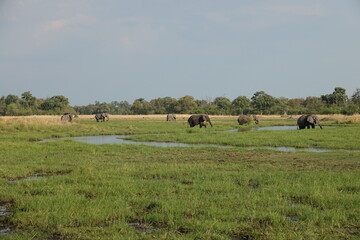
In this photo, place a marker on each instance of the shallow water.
(119, 139)
(4, 211)
(4, 226)
(4, 230)
(29, 178)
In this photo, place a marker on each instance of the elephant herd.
(99, 117)
(305, 121)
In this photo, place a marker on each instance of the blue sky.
(115, 50)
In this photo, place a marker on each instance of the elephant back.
(171, 117)
(67, 117)
(243, 119)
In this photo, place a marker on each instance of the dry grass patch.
(32, 120)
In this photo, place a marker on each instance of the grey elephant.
(171, 117)
(244, 119)
(305, 121)
(199, 119)
(67, 117)
(101, 117)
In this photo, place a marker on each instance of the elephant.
(67, 117)
(171, 117)
(101, 117)
(305, 121)
(244, 119)
(199, 119)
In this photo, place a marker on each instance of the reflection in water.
(119, 139)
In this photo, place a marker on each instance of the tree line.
(336, 102)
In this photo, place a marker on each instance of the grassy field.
(70, 190)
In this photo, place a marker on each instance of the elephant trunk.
(210, 123)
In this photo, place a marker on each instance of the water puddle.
(4, 230)
(141, 227)
(293, 218)
(29, 178)
(121, 139)
(5, 213)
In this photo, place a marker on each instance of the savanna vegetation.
(65, 189)
(337, 102)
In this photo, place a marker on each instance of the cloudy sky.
(114, 50)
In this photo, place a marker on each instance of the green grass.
(141, 192)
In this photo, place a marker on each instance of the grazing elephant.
(101, 117)
(305, 121)
(244, 119)
(199, 119)
(67, 117)
(171, 117)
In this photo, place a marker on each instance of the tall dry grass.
(32, 120)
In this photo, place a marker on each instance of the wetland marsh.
(67, 189)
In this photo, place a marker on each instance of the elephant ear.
(310, 119)
(316, 120)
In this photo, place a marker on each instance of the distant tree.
(158, 106)
(186, 104)
(313, 105)
(281, 107)
(101, 107)
(262, 102)
(2, 106)
(28, 100)
(55, 104)
(122, 107)
(13, 109)
(338, 97)
(169, 104)
(223, 105)
(141, 106)
(240, 104)
(202, 103)
(11, 99)
(355, 98)
(296, 106)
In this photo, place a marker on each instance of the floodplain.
(66, 189)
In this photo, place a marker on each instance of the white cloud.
(262, 14)
(126, 42)
(55, 29)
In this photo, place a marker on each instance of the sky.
(120, 50)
